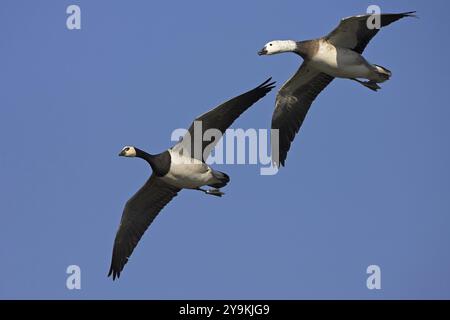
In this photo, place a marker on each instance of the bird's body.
(175, 169)
(188, 173)
(336, 55)
(341, 62)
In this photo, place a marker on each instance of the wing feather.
(138, 214)
(292, 104)
(353, 32)
(222, 117)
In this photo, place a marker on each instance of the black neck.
(160, 163)
(146, 156)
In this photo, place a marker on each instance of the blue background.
(367, 181)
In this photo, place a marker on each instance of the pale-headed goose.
(173, 170)
(337, 55)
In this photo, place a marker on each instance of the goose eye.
(127, 149)
(270, 44)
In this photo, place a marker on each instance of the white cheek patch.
(132, 152)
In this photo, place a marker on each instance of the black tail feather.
(222, 177)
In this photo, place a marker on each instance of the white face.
(128, 151)
(278, 46)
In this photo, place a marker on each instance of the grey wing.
(221, 118)
(292, 104)
(138, 214)
(353, 32)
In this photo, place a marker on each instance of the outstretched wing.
(353, 32)
(220, 118)
(138, 214)
(292, 104)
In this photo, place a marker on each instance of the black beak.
(262, 52)
(122, 153)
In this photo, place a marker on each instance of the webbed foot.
(215, 192)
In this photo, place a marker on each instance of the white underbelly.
(340, 62)
(188, 173)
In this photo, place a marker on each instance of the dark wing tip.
(262, 84)
(279, 163)
(409, 14)
(397, 16)
(114, 270)
(267, 84)
(282, 158)
(114, 273)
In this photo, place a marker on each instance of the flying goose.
(337, 55)
(175, 169)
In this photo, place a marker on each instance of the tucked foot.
(372, 85)
(213, 192)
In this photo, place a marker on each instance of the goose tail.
(383, 73)
(222, 179)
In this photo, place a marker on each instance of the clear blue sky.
(367, 181)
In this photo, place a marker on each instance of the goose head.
(128, 151)
(278, 46)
